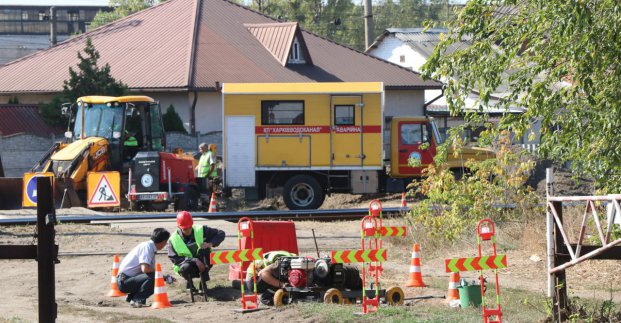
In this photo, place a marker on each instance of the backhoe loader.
(123, 134)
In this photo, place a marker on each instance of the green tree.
(122, 8)
(172, 121)
(88, 79)
(558, 59)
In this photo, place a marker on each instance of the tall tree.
(88, 79)
(558, 59)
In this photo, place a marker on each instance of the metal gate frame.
(562, 253)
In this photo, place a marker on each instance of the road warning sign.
(29, 189)
(103, 189)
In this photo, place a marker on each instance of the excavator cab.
(130, 124)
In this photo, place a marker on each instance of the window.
(344, 115)
(413, 133)
(295, 55)
(282, 112)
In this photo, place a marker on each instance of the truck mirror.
(64, 111)
(116, 134)
(68, 134)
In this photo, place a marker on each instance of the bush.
(172, 121)
(454, 205)
(51, 113)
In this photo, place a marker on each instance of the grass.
(518, 306)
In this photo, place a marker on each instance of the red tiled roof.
(192, 44)
(276, 37)
(16, 118)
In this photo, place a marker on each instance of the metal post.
(46, 253)
(52, 27)
(559, 299)
(368, 23)
(549, 230)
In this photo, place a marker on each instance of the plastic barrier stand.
(270, 236)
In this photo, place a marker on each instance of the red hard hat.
(184, 220)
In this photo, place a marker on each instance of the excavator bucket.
(11, 193)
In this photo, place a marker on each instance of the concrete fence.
(21, 151)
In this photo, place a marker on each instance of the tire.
(394, 296)
(333, 296)
(281, 298)
(303, 192)
(188, 201)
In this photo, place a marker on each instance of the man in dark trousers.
(189, 247)
(137, 271)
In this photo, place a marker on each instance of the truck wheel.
(333, 296)
(394, 296)
(303, 192)
(281, 297)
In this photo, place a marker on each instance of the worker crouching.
(189, 248)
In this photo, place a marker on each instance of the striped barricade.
(227, 257)
(353, 256)
(475, 263)
(386, 232)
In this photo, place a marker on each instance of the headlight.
(146, 180)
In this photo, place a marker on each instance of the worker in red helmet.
(189, 247)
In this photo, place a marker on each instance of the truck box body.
(310, 126)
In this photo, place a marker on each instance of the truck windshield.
(100, 120)
(436, 133)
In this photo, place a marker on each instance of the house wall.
(391, 49)
(404, 103)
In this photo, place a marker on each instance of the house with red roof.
(180, 52)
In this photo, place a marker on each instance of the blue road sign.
(31, 189)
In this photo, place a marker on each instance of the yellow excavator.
(117, 134)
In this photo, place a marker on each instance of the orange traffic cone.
(160, 297)
(212, 204)
(453, 293)
(114, 289)
(404, 204)
(416, 279)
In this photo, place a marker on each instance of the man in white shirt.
(137, 271)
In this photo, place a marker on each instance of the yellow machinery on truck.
(314, 139)
(123, 134)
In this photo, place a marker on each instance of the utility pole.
(52, 26)
(368, 24)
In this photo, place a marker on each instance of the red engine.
(297, 278)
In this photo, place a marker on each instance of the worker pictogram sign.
(227, 257)
(29, 189)
(350, 256)
(103, 189)
(475, 263)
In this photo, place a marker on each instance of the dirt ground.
(83, 274)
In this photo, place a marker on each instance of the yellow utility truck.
(314, 139)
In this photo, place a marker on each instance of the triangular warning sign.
(103, 194)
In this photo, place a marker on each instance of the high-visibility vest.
(181, 248)
(204, 163)
(131, 142)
